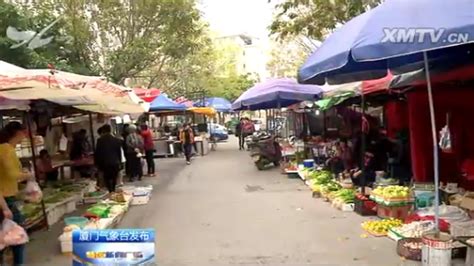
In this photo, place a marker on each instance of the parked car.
(218, 132)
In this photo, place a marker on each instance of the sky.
(229, 17)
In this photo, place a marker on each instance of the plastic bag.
(63, 143)
(101, 211)
(12, 234)
(33, 192)
(445, 140)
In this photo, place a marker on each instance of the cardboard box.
(467, 201)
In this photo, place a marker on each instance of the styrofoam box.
(66, 246)
(70, 206)
(55, 214)
(349, 207)
(141, 200)
(65, 240)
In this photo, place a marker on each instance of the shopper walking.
(238, 133)
(135, 149)
(10, 175)
(186, 137)
(147, 136)
(248, 128)
(125, 149)
(108, 157)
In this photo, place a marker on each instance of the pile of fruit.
(361, 197)
(292, 167)
(392, 192)
(381, 227)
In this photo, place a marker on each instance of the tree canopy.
(153, 43)
(285, 58)
(315, 18)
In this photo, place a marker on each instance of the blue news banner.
(114, 247)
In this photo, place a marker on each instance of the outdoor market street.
(222, 211)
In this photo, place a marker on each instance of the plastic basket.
(76, 220)
(293, 175)
(407, 252)
(365, 207)
(396, 212)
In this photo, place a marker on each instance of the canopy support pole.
(91, 128)
(363, 145)
(35, 167)
(324, 125)
(435, 144)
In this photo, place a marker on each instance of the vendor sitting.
(44, 166)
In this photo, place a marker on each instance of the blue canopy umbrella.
(400, 35)
(163, 103)
(219, 104)
(276, 93)
(393, 36)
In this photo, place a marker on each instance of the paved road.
(222, 211)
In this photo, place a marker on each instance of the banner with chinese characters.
(114, 247)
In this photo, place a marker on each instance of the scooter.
(253, 139)
(265, 152)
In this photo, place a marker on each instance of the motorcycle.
(253, 139)
(266, 151)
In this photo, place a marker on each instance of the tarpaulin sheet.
(456, 102)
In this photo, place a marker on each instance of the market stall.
(104, 213)
(355, 52)
(165, 145)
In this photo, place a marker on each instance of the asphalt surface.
(222, 211)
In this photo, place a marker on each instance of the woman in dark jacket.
(135, 149)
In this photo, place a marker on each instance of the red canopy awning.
(183, 100)
(377, 85)
(148, 95)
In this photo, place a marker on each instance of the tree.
(35, 18)
(230, 87)
(228, 80)
(315, 18)
(135, 35)
(285, 58)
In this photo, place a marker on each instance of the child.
(44, 165)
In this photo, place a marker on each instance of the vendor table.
(166, 147)
(61, 164)
(202, 145)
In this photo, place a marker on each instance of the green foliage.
(155, 43)
(315, 18)
(61, 52)
(285, 58)
(230, 87)
(140, 34)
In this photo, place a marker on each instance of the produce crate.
(462, 229)
(293, 175)
(90, 200)
(365, 207)
(375, 234)
(396, 212)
